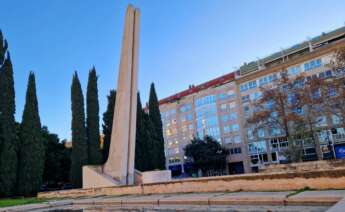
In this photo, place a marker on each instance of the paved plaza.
(229, 201)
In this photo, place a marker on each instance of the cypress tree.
(31, 148)
(8, 141)
(157, 134)
(3, 48)
(92, 121)
(79, 141)
(150, 144)
(108, 124)
(142, 157)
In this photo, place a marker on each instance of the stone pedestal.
(156, 176)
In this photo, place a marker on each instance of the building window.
(174, 159)
(257, 147)
(261, 133)
(235, 128)
(245, 98)
(210, 99)
(222, 96)
(243, 87)
(227, 95)
(237, 139)
(298, 111)
(233, 140)
(225, 118)
(324, 136)
(312, 65)
(226, 129)
(267, 79)
(292, 71)
(231, 94)
(275, 131)
(256, 96)
(227, 140)
(321, 121)
(325, 74)
(232, 105)
(336, 120)
(246, 108)
(233, 116)
(252, 84)
(223, 106)
(236, 150)
(248, 86)
(185, 108)
(332, 92)
(231, 128)
(316, 94)
(250, 134)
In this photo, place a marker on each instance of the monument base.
(93, 177)
(159, 176)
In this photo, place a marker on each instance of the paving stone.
(327, 197)
(86, 201)
(247, 198)
(111, 200)
(27, 207)
(56, 203)
(186, 199)
(339, 207)
(323, 193)
(149, 199)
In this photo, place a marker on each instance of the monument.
(120, 163)
(119, 168)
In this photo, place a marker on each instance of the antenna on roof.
(260, 65)
(310, 44)
(283, 53)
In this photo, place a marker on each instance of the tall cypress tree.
(150, 144)
(8, 141)
(79, 141)
(108, 124)
(142, 157)
(158, 139)
(92, 121)
(3, 48)
(31, 148)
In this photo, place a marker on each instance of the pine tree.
(8, 140)
(31, 148)
(92, 121)
(108, 124)
(79, 141)
(158, 139)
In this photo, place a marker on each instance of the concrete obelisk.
(120, 163)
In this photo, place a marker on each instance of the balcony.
(338, 138)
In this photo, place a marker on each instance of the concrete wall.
(305, 166)
(319, 179)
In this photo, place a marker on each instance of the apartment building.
(220, 108)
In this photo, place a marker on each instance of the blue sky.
(182, 42)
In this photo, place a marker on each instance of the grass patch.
(298, 191)
(19, 201)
